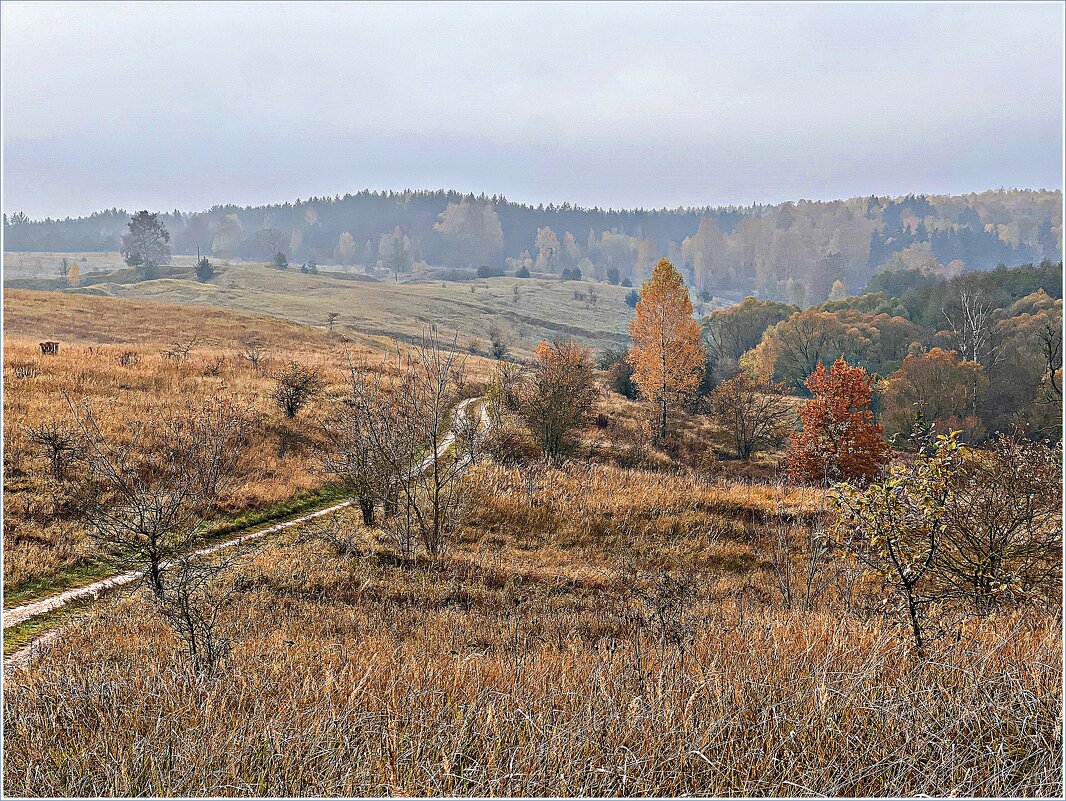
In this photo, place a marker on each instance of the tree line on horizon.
(800, 253)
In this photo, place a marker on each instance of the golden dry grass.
(534, 668)
(544, 654)
(40, 538)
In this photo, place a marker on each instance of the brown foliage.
(840, 440)
(556, 396)
(667, 355)
(939, 384)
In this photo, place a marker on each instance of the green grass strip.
(88, 571)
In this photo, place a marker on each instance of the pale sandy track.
(19, 614)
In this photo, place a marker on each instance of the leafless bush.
(757, 416)
(213, 367)
(666, 602)
(385, 444)
(58, 444)
(194, 599)
(368, 449)
(1002, 539)
(502, 395)
(294, 387)
(181, 349)
(253, 351)
(431, 496)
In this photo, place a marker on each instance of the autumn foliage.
(667, 355)
(840, 440)
(555, 398)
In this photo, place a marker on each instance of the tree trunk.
(156, 575)
(366, 506)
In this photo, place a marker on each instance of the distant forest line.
(797, 252)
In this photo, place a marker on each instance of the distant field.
(542, 309)
(47, 265)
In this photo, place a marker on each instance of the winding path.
(20, 614)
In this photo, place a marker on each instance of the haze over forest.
(793, 251)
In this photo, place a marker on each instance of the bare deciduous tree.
(1050, 339)
(367, 442)
(755, 415)
(972, 324)
(182, 349)
(385, 438)
(1003, 534)
(253, 350)
(431, 496)
(58, 444)
(145, 497)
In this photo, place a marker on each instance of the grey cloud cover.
(187, 105)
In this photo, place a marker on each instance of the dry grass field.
(542, 309)
(636, 620)
(46, 265)
(112, 358)
(547, 654)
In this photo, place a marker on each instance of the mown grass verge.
(22, 634)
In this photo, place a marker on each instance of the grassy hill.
(524, 310)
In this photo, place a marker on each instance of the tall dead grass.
(124, 378)
(427, 683)
(550, 668)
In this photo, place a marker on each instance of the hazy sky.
(187, 105)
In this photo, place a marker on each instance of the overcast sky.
(187, 105)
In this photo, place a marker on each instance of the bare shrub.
(502, 394)
(755, 415)
(334, 531)
(56, 443)
(368, 442)
(253, 351)
(194, 600)
(1002, 539)
(181, 349)
(431, 496)
(798, 558)
(385, 444)
(294, 387)
(213, 366)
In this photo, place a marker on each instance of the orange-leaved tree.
(840, 440)
(667, 355)
(557, 395)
